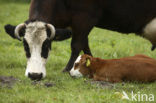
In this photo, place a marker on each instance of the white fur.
(35, 36)
(36, 64)
(78, 59)
(75, 72)
(150, 31)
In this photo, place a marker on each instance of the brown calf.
(135, 68)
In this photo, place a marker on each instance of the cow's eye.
(26, 48)
(46, 46)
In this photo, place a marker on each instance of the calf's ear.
(88, 62)
(62, 34)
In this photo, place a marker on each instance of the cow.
(124, 16)
(138, 68)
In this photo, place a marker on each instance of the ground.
(105, 44)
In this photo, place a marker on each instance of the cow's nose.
(35, 76)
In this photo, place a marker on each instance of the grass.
(105, 44)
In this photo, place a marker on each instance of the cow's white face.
(37, 37)
(37, 44)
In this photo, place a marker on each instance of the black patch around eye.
(46, 46)
(26, 48)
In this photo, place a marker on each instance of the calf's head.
(37, 37)
(81, 66)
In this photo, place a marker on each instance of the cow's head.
(37, 37)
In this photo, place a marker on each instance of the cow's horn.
(17, 30)
(52, 29)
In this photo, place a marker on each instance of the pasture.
(103, 43)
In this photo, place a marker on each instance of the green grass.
(105, 44)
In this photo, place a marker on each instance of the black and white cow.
(125, 16)
(37, 38)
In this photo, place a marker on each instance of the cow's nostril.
(35, 76)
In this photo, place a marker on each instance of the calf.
(136, 68)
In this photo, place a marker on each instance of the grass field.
(105, 44)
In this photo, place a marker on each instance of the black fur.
(46, 46)
(62, 34)
(11, 31)
(48, 31)
(26, 48)
(153, 47)
(22, 32)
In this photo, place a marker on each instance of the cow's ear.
(9, 29)
(15, 31)
(62, 34)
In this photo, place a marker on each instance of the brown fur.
(139, 68)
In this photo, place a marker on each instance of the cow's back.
(127, 16)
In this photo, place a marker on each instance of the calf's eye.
(76, 64)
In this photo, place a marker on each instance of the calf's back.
(137, 68)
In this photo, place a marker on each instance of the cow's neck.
(50, 11)
(42, 10)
